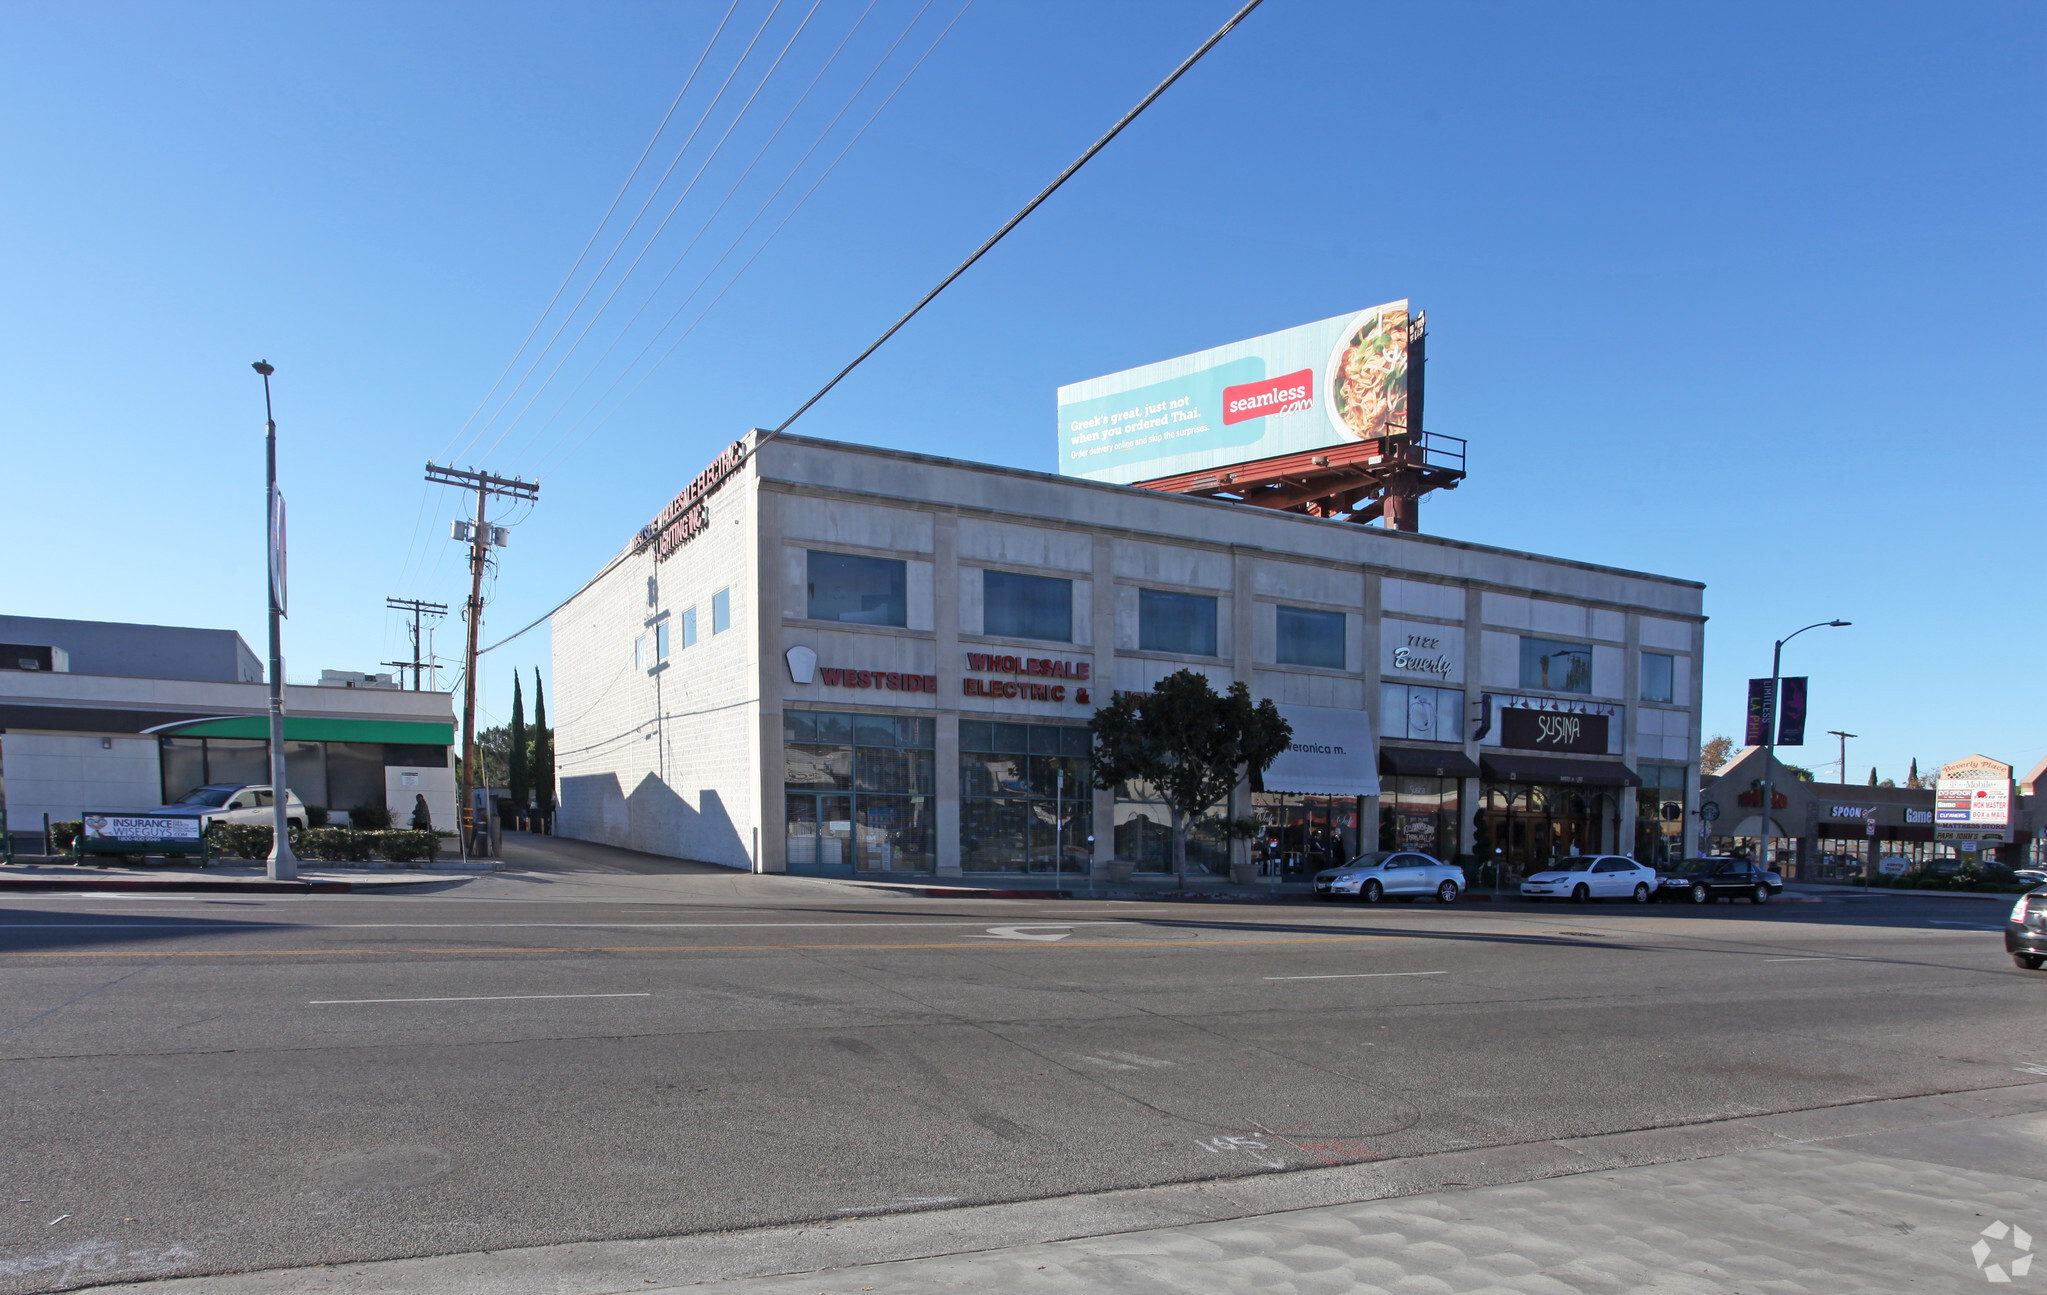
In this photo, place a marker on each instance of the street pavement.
(601, 1051)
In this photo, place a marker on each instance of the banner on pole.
(277, 568)
(1791, 723)
(1762, 709)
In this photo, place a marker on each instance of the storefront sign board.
(1546, 730)
(1332, 754)
(1421, 653)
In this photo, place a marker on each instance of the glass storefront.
(1144, 834)
(1026, 798)
(1534, 824)
(329, 775)
(858, 792)
(1303, 834)
(1418, 813)
(1660, 814)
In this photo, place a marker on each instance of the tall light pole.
(1770, 733)
(282, 864)
(1835, 732)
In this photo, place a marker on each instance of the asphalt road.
(220, 1084)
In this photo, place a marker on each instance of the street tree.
(517, 777)
(1190, 744)
(543, 752)
(1715, 753)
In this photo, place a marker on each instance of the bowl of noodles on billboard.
(1366, 391)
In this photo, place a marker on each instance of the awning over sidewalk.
(1331, 754)
(313, 728)
(1422, 762)
(1510, 766)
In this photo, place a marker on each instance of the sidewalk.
(238, 878)
(1887, 1196)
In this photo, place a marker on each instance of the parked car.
(1592, 876)
(234, 802)
(1704, 880)
(1395, 874)
(2025, 931)
(2034, 876)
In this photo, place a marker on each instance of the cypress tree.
(543, 750)
(517, 779)
(1872, 775)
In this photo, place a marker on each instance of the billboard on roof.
(1327, 383)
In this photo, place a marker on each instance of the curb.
(217, 885)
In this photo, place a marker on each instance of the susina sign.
(685, 518)
(1544, 730)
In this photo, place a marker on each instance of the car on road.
(1703, 880)
(1392, 874)
(234, 802)
(1592, 876)
(2025, 931)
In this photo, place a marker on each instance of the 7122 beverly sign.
(685, 517)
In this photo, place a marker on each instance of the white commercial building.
(831, 658)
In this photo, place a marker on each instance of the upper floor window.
(721, 611)
(689, 627)
(857, 590)
(661, 641)
(1026, 607)
(1556, 667)
(1658, 676)
(640, 652)
(1309, 637)
(1168, 622)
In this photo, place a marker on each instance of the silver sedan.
(1392, 874)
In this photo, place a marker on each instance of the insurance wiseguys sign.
(1326, 383)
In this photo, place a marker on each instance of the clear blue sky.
(1750, 294)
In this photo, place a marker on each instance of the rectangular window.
(1168, 622)
(858, 792)
(1026, 607)
(857, 590)
(1026, 797)
(1421, 713)
(1308, 637)
(1657, 671)
(661, 641)
(721, 611)
(689, 627)
(1556, 667)
(640, 652)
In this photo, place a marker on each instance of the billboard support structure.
(1363, 483)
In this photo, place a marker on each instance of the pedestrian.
(422, 817)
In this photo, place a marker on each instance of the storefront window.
(1026, 797)
(858, 792)
(1169, 622)
(1419, 814)
(1556, 667)
(1532, 825)
(856, 590)
(1144, 834)
(1419, 712)
(1303, 834)
(1309, 637)
(1660, 814)
(1026, 607)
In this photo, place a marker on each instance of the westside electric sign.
(686, 517)
(1331, 382)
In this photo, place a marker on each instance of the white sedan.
(1592, 876)
(1392, 874)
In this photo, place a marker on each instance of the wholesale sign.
(1328, 383)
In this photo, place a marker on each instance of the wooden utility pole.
(418, 609)
(482, 537)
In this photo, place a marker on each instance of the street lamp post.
(282, 864)
(1770, 734)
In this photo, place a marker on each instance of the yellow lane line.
(990, 947)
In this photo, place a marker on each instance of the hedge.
(327, 844)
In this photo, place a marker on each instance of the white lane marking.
(1820, 957)
(480, 998)
(1362, 975)
(1063, 930)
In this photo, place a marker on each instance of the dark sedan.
(1704, 880)
(2025, 931)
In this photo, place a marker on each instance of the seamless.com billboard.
(1337, 380)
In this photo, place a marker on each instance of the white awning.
(1753, 826)
(1332, 754)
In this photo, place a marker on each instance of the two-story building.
(837, 659)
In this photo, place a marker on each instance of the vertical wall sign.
(1762, 708)
(1791, 724)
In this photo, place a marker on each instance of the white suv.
(233, 802)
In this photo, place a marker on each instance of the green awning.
(306, 728)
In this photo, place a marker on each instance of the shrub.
(316, 816)
(239, 840)
(369, 818)
(333, 844)
(65, 834)
(407, 846)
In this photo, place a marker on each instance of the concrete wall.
(64, 774)
(140, 651)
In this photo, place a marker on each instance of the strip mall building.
(827, 658)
